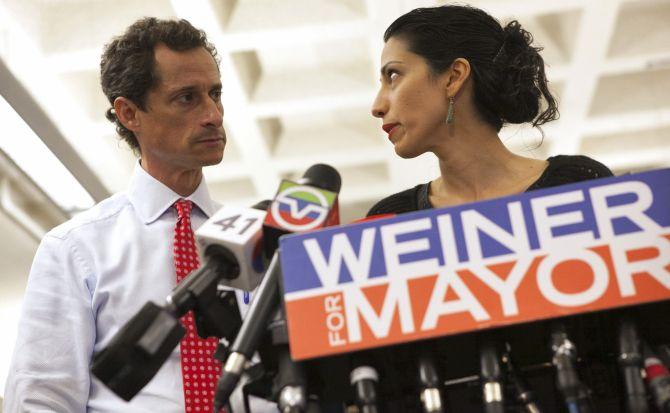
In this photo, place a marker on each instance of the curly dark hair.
(508, 72)
(127, 64)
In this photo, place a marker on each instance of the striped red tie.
(200, 371)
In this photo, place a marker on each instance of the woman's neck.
(475, 165)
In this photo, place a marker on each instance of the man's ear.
(457, 76)
(126, 111)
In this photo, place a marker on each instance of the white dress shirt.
(90, 275)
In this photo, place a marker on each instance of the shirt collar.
(151, 198)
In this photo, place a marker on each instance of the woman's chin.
(405, 152)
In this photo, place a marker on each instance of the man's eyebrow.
(181, 89)
(192, 88)
(383, 69)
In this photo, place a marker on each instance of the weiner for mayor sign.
(571, 249)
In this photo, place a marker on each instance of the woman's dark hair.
(508, 73)
(127, 64)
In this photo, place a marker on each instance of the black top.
(562, 169)
(457, 355)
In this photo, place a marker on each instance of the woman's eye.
(392, 75)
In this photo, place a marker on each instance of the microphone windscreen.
(322, 176)
(373, 218)
(262, 205)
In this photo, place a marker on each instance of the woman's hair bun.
(522, 80)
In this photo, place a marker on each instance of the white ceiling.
(299, 77)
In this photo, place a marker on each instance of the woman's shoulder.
(398, 203)
(565, 169)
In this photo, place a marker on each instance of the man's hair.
(127, 67)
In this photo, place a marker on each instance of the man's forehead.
(192, 64)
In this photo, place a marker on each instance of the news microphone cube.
(240, 231)
(298, 208)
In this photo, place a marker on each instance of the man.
(93, 273)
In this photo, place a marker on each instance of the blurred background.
(299, 77)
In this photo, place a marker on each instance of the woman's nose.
(379, 106)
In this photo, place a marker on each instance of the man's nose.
(213, 113)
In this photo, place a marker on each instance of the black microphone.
(144, 343)
(309, 204)
(364, 379)
(291, 381)
(630, 363)
(575, 394)
(657, 378)
(491, 378)
(429, 380)
(524, 394)
(249, 335)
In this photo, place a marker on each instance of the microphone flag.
(298, 208)
(543, 254)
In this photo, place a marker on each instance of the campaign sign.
(571, 249)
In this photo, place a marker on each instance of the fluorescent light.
(28, 151)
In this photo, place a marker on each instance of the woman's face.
(411, 102)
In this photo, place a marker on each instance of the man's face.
(181, 128)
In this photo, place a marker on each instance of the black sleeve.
(405, 201)
(566, 169)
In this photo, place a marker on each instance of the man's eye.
(185, 98)
(216, 95)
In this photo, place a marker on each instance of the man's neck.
(182, 181)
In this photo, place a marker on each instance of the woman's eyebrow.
(383, 69)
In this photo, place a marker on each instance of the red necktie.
(200, 371)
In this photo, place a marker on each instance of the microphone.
(630, 362)
(663, 353)
(373, 218)
(491, 377)
(429, 380)
(309, 204)
(364, 379)
(144, 343)
(291, 380)
(524, 394)
(240, 232)
(138, 350)
(564, 351)
(658, 379)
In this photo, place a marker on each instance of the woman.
(451, 78)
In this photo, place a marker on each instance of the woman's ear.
(126, 111)
(457, 76)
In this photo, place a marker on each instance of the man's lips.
(389, 127)
(210, 139)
